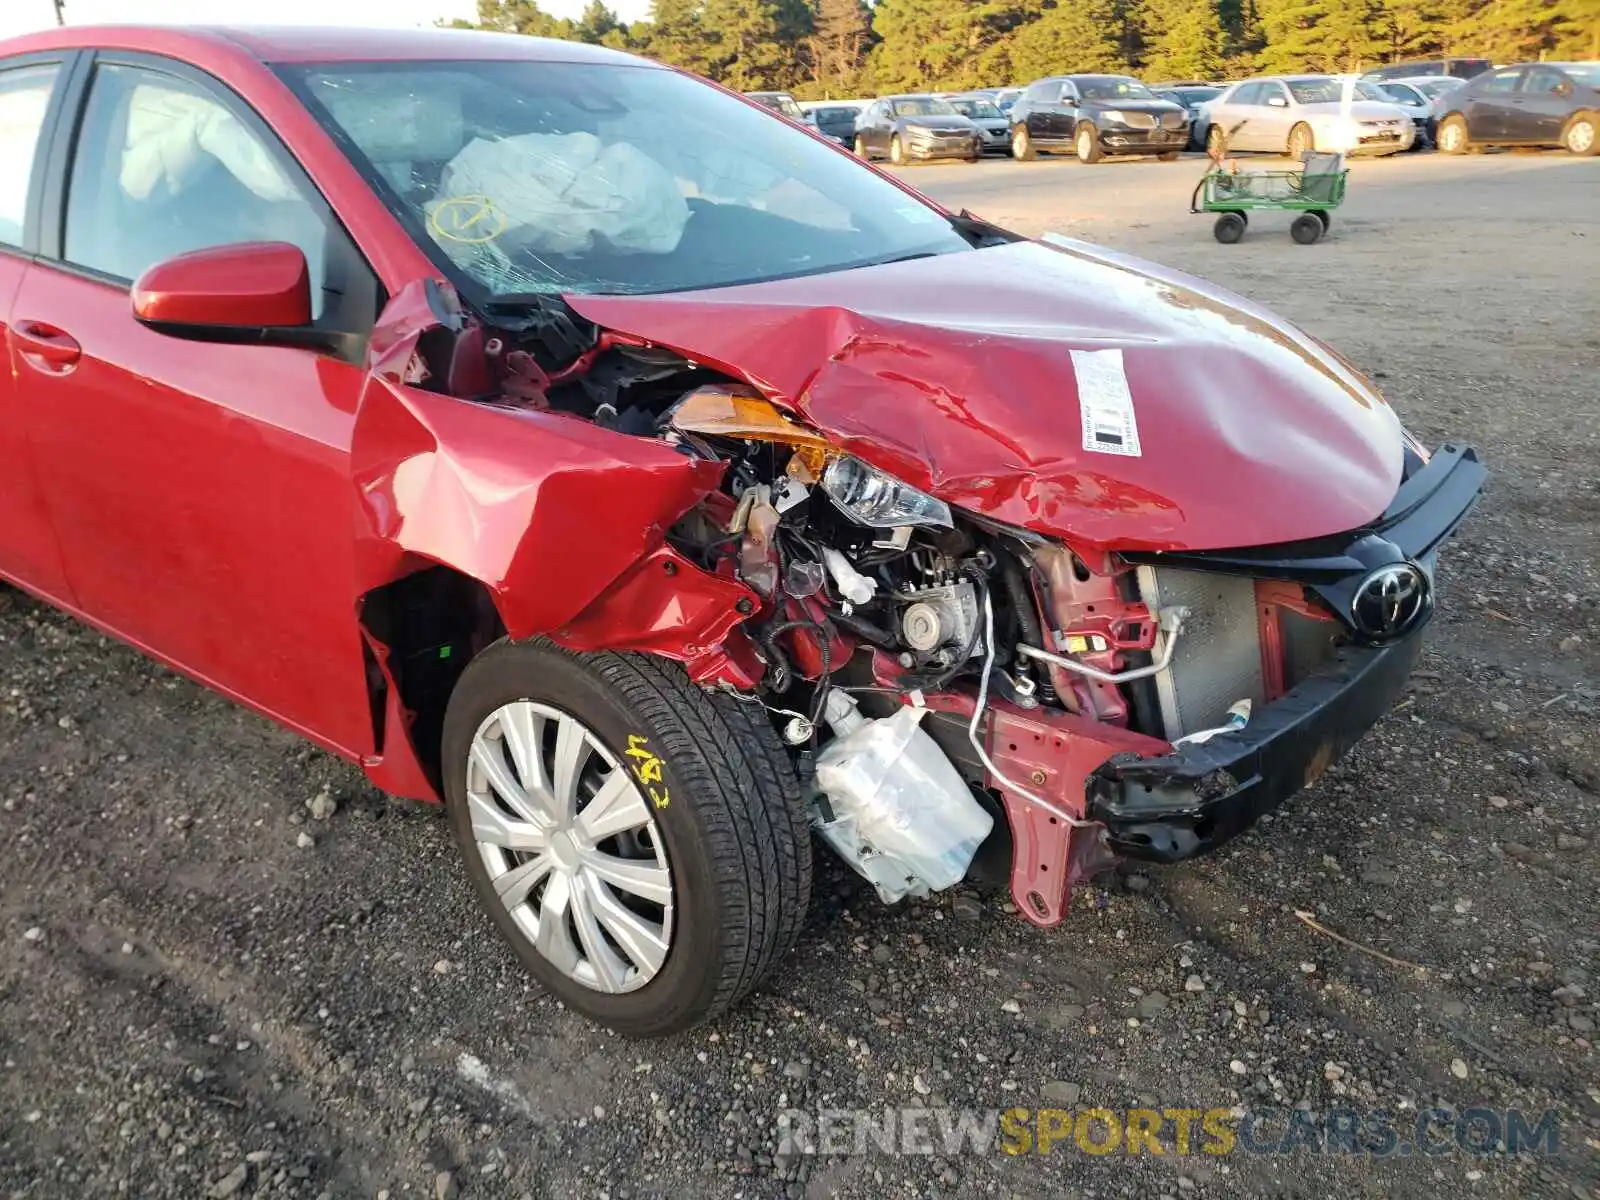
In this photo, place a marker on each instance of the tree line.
(820, 48)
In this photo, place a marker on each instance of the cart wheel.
(1229, 227)
(1306, 229)
(1322, 215)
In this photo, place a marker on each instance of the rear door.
(1539, 111)
(1492, 112)
(31, 91)
(201, 492)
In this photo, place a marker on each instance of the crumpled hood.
(965, 374)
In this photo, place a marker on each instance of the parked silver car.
(981, 110)
(1291, 114)
(1417, 102)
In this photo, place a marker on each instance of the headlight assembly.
(877, 499)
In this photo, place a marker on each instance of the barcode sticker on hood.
(1109, 426)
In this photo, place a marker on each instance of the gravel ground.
(231, 968)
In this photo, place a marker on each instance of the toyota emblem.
(1389, 601)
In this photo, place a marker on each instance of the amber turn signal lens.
(740, 413)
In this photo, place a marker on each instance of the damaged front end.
(991, 646)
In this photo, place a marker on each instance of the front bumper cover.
(1187, 802)
(1176, 805)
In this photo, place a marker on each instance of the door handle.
(46, 348)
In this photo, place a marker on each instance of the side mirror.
(245, 292)
(1277, 102)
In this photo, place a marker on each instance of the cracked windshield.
(566, 177)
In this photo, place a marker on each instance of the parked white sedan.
(1291, 114)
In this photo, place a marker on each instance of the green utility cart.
(1312, 191)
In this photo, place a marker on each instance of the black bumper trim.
(1426, 509)
(1185, 803)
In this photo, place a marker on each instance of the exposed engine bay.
(958, 694)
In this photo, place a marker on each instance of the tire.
(1216, 141)
(1230, 227)
(1301, 140)
(861, 150)
(1452, 137)
(1168, 156)
(1306, 228)
(722, 822)
(1086, 141)
(1022, 145)
(1322, 215)
(1582, 135)
(897, 151)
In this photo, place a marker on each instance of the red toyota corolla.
(565, 438)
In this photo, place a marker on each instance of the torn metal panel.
(668, 606)
(956, 373)
(546, 510)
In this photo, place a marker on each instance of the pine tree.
(754, 44)
(521, 16)
(1321, 35)
(938, 43)
(1182, 39)
(1072, 36)
(839, 42)
(596, 22)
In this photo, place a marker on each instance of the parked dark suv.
(1461, 68)
(1096, 115)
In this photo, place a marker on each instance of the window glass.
(1249, 93)
(163, 167)
(1114, 87)
(24, 96)
(1542, 81)
(921, 106)
(1504, 81)
(595, 178)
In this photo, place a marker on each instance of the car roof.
(319, 43)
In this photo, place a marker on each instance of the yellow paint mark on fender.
(647, 769)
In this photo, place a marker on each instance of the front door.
(1541, 107)
(201, 492)
(28, 552)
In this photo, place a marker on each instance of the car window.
(1587, 74)
(975, 108)
(163, 167)
(1542, 81)
(1272, 91)
(922, 106)
(1435, 88)
(1366, 90)
(1246, 93)
(1114, 87)
(546, 177)
(1316, 91)
(24, 97)
(1045, 91)
(1501, 82)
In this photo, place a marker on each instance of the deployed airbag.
(557, 194)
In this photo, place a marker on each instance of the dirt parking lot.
(204, 989)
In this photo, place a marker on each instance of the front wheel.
(1453, 136)
(639, 842)
(1022, 144)
(1230, 227)
(1306, 228)
(897, 151)
(861, 149)
(1580, 136)
(1301, 141)
(1087, 143)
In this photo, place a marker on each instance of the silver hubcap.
(571, 846)
(1085, 144)
(1019, 142)
(1581, 137)
(1452, 137)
